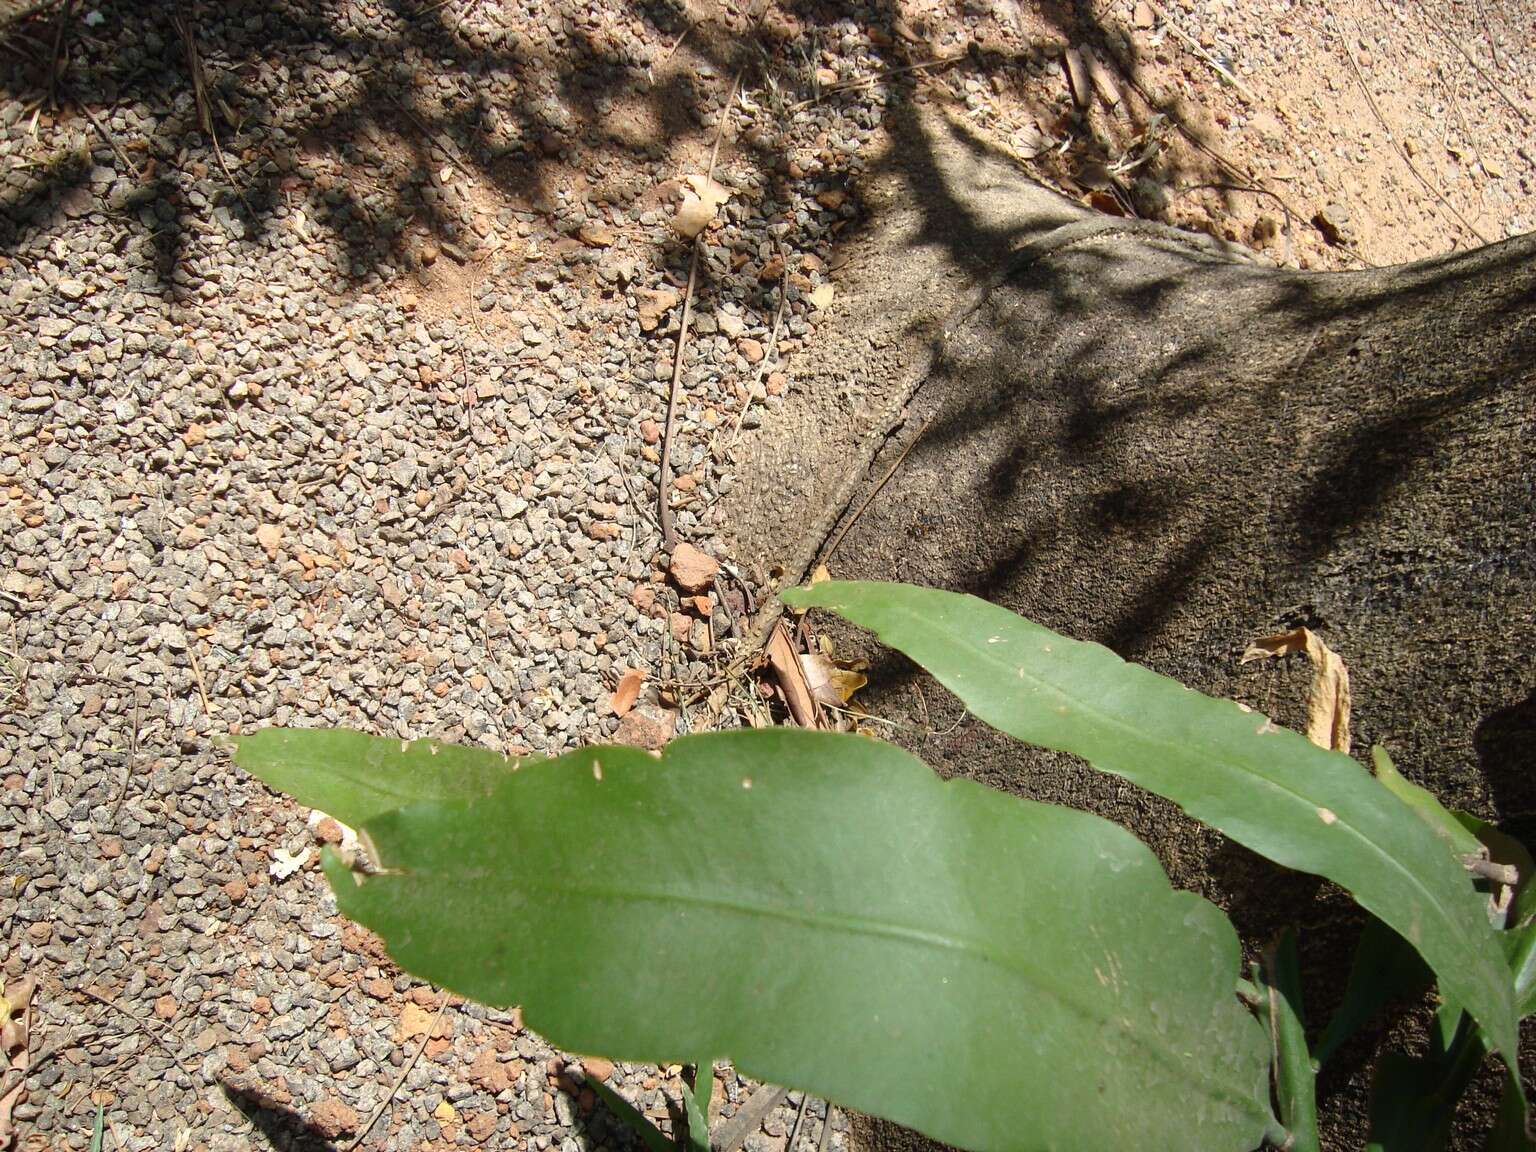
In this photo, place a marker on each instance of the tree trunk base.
(1147, 439)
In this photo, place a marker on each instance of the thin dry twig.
(58, 62)
(1256, 190)
(200, 98)
(1216, 65)
(794, 1133)
(131, 168)
(664, 474)
(1493, 43)
(826, 1126)
(1370, 99)
(436, 139)
(878, 77)
(1230, 166)
(672, 51)
(870, 499)
(1478, 68)
(197, 675)
(143, 1026)
(394, 1091)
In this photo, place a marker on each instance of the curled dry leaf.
(627, 691)
(702, 198)
(830, 681)
(1328, 694)
(785, 663)
(15, 1058)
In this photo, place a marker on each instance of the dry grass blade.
(870, 499)
(1370, 99)
(733, 1134)
(1476, 67)
(405, 1071)
(1216, 65)
(878, 77)
(200, 97)
(664, 471)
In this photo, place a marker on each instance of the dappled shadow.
(1139, 442)
(1145, 442)
(278, 1126)
(353, 111)
(1505, 741)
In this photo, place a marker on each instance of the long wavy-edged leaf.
(1424, 804)
(1264, 786)
(355, 777)
(632, 1118)
(824, 911)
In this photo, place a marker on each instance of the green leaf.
(1413, 1098)
(825, 912)
(1295, 1077)
(355, 777)
(1424, 804)
(1385, 969)
(1509, 1133)
(1407, 1113)
(1520, 947)
(98, 1130)
(696, 1105)
(632, 1118)
(1266, 787)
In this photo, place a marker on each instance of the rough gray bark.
(1145, 439)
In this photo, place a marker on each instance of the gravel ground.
(354, 420)
(374, 448)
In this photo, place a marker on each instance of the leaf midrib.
(849, 925)
(1111, 720)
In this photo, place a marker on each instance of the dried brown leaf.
(1103, 81)
(702, 198)
(829, 682)
(1029, 141)
(15, 1057)
(785, 662)
(1328, 698)
(1077, 77)
(627, 691)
